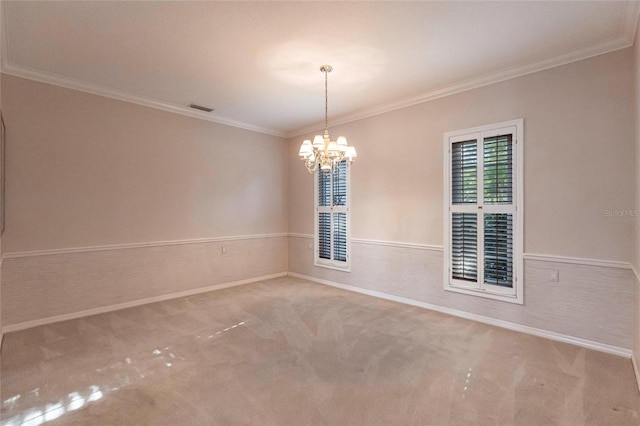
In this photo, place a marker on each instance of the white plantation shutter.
(483, 230)
(464, 190)
(340, 237)
(498, 226)
(498, 169)
(332, 217)
(324, 235)
(498, 249)
(464, 166)
(324, 216)
(464, 244)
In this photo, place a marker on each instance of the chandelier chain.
(326, 102)
(325, 154)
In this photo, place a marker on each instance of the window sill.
(334, 266)
(487, 295)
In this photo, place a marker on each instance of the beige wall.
(1, 47)
(578, 160)
(636, 260)
(86, 170)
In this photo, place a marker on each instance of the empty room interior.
(346, 213)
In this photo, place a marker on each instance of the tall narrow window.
(332, 218)
(483, 217)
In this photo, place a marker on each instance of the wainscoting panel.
(39, 286)
(636, 330)
(589, 302)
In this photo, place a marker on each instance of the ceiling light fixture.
(324, 152)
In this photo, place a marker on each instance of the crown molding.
(517, 71)
(628, 28)
(69, 83)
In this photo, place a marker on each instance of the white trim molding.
(416, 246)
(625, 39)
(145, 301)
(578, 261)
(94, 89)
(613, 45)
(11, 255)
(473, 83)
(585, 343)
(297, 235)
(603, 263)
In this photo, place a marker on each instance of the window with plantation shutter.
(332, 218)
(483, 213)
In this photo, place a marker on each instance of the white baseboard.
(491, 321)
(462, 314)
(116, 307)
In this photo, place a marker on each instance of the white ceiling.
(257, 63)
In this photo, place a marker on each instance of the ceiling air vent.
(201, 108)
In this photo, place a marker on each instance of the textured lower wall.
(589, 302)
(36, 286)
(636, 327)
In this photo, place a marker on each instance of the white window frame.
(479, 288)
(330, 263)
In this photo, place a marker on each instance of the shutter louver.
(464, 172)
(464, 246)
(324, 189)
(498, 170)
(498, 249)
(340, 185)
(340, 237)
(324, 235)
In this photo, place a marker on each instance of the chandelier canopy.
(324, 152)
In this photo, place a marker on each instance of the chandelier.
(324, 152)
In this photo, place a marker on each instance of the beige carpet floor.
(291, 352)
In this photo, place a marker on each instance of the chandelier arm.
(331, 154)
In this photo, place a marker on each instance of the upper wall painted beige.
(579, 161)
(636, 75)
(85, 170)
(636, 304)
(1, 47)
